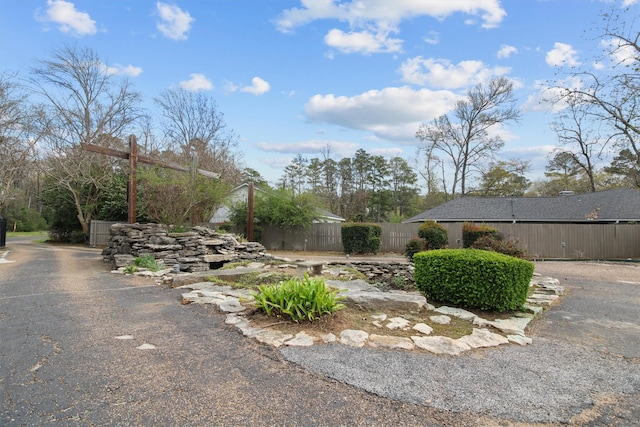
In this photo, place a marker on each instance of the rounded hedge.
(473, 278)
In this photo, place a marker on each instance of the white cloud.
(551, 98)
(619, 54)
(357, 12)
(69, 19)
(175, 23)
(196, 83)
(313, 146)
(392, 113)
(440, 73)
(432, 38)
(506, 51)
(562, 54)
(122, 70)
(258, 86)
(627, 3)
(364, 42)
(371, 22)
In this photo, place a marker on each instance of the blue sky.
(295, 77)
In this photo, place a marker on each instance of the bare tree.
(578, 132)
(84, 104)
(18, 138)
(466, 140)
(613, 89)
(192, 124)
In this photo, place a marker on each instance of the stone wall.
(202, 249)
(199, 249)
(392, 274)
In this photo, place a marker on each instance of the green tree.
(285, 209)
(403, 186)
(504, 178)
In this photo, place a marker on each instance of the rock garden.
(378, 304)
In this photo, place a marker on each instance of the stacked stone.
(199, 249)
(396, 275)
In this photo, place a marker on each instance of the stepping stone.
(353, 337)
(457, 312)
(440, 345)
(423, 328)
(390, 342)
(398, 323)
(441, 320)
(302, 339)
(483, 338)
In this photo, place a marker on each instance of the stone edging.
(228, 300)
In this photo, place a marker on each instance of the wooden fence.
(540, 240)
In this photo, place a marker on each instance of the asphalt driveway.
(81, 346)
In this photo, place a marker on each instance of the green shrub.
(472, 232)
(413, 246)
(473, 278)
(434, 235)
(361, 238)
(298, 299)
(497, 243)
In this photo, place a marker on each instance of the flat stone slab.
(440, 345)
(390, 342)
(302, 339)
(483, 338)
(457, 312)
(398, 323)
(442, 319)
(385, 300)
(423, 328)
(351, 285)
(353, 337)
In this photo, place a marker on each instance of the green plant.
(472, 232)
(148, 262)
(298, 299)
(130, 269)
(473, 278)
(413, 246)
(361, 238)
(434, 235)
(497, 243)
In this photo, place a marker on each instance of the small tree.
(361, 238)
(434, 235)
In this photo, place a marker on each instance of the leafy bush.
(434, 235)
(361, 238)
(298, 299)
(473, 278)
(472, 232)
(497, 243)
(413, 246)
